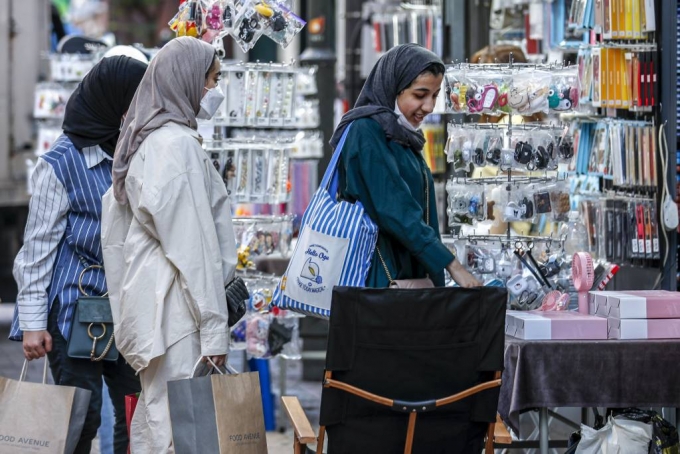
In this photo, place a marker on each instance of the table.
(606, 373)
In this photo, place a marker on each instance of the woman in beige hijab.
(167, 236)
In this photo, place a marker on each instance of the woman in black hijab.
(62, 240)
(95, 111)
(382, 166)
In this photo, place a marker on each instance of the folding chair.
(436, 353)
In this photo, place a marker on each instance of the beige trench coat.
(170, 252)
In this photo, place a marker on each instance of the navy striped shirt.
(62, 236)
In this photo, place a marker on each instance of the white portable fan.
(583, 273)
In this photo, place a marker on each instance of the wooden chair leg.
(298, 448)
(488, 447)
(410, 432)
(319, 440)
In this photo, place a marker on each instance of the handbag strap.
(330, 177)
(427, 221)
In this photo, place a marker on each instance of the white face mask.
(210, 103)
(402, 119)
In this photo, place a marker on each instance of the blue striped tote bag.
(335, 247)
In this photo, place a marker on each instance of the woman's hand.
(219, 360)
(461, 275)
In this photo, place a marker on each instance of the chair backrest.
(413, 345)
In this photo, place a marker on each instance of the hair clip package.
(261, 107)
(235, 79)
(250, 95)
(258, 175)
(242, 186)
(529, 92)
(563, 94)
(286, 109)
(277, 178)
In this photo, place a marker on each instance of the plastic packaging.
(576, 235)
(529, 92)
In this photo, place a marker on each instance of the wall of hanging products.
(255, 171)
(268, 96)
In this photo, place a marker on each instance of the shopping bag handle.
(227, 367)
(330, 178)
(24, 369)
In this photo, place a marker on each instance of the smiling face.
(418, 100)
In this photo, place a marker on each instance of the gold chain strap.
(427, 221)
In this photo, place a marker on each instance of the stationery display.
(621, 78)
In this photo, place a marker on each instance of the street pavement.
(278, 442)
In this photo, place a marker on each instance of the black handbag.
(237, 295)
(92, 328)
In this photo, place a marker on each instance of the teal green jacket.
(389, 181)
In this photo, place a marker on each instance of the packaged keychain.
(282, 24)
(277, 179)
(519, 206)
(257, 335)
(459, 147)
(560, 202)
(481, 92)
(452, 86)
(466, 203)
(563, 95)
(248, 26)
(529, 92)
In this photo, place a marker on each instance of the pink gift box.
(638, 304)
(667, 328)
(555, 325)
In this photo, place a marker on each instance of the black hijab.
(394, 72)
(94, 110)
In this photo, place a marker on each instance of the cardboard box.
(638, 304)
(557, 325)
(667, 328)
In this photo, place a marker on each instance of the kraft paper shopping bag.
(218, 413)
(38, 418)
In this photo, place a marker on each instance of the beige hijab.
(170, 91)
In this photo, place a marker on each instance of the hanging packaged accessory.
(92, 329)
(335, 248)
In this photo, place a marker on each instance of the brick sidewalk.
(12, 359)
